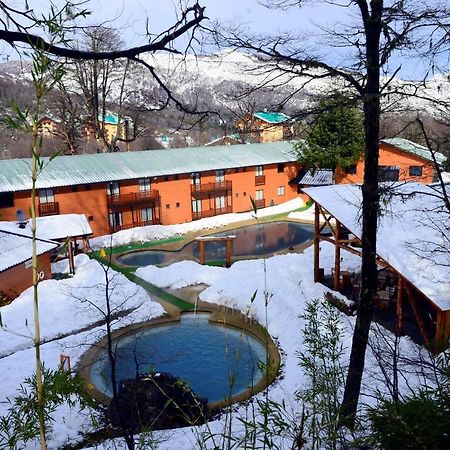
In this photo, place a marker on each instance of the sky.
(129, 18)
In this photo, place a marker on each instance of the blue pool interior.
(204, 354)
(253, 240)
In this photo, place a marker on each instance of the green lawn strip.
(162, 294)
(285, 214)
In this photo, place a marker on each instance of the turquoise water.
(262, 239)
(213, 359)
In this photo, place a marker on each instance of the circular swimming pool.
(216, 361)
(253, 240)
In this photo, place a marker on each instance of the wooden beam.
(417, 315)
(337, 259)
(316, 243)
(327, 220)
(70, 254)
(202, 251)
(400, 289)
(228, 253)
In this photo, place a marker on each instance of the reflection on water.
(261, 239)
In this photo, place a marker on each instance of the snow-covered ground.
(288, 279)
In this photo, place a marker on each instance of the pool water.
(261, 239)
(216, 361)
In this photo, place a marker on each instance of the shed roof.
(413, 233)
(272, 117)
(16, 248)
(15, 174)
(415, 149)
(316, 177)
(57, 227)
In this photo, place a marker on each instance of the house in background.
(15, 261)
(265, 127)
(113, 126)
(48, 126)
(230, 139)
(399, 160)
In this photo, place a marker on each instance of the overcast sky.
(129, 17)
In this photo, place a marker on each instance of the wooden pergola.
(228, 243)
(435, 330)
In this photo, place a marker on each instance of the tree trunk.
(370, 204)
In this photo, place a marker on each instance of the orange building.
(399, 160)
(265, 127)
(117, 191)
(15, 262)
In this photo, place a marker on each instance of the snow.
(157, 232)
(284, 282)
(412, 231)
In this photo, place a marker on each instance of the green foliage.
(421, 421)
(21, 424)
(336, 139)
(324, 373)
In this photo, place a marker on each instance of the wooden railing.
(260, 179)
(211, 212)
(150, 198)
(211, 188)
(115, 228)
(48, 209)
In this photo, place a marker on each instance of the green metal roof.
(15, 174)
(415, 149)
(272, 117)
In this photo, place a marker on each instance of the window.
(6, 200)
(115, 219)
(196, 206)
(46, 196)
(177, 204)
(147, 214)
(259, 171)
(220, 202)
(351, 170)
(195, 178)
(90, 218)
(415, 171)
(280, 190)
(220, 176)
(167, 205)
(388, 173)
(74, 188)
(259, 195)
(237, 194)
(113, 188)
(144, 185)
(245, 194)
(280, 168)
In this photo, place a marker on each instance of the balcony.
(260, 179)
(216, 189)
(115, 228)
(260, 203)
(48, 209)
(211, 212)
(144, 198)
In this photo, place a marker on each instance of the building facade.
(117, 191)
(265, 127)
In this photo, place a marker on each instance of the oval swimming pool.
(215, 360)
(253, 240)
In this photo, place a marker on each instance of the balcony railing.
(150, 198)
(221, 187)
(260, 203)
(115, 228)
(211, 212)
(260, 179)
(48, 209)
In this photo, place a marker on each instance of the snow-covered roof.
(317, 177)
(57, 227)
(272, 117)
(16, 247)
(413, 232)
(15, 174)
(415, 149)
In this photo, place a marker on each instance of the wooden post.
(337, 258)
(202, 251)
(71, 261)
(400, 289)
(316, 244)
(228, 253)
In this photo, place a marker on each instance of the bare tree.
(379, 30)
